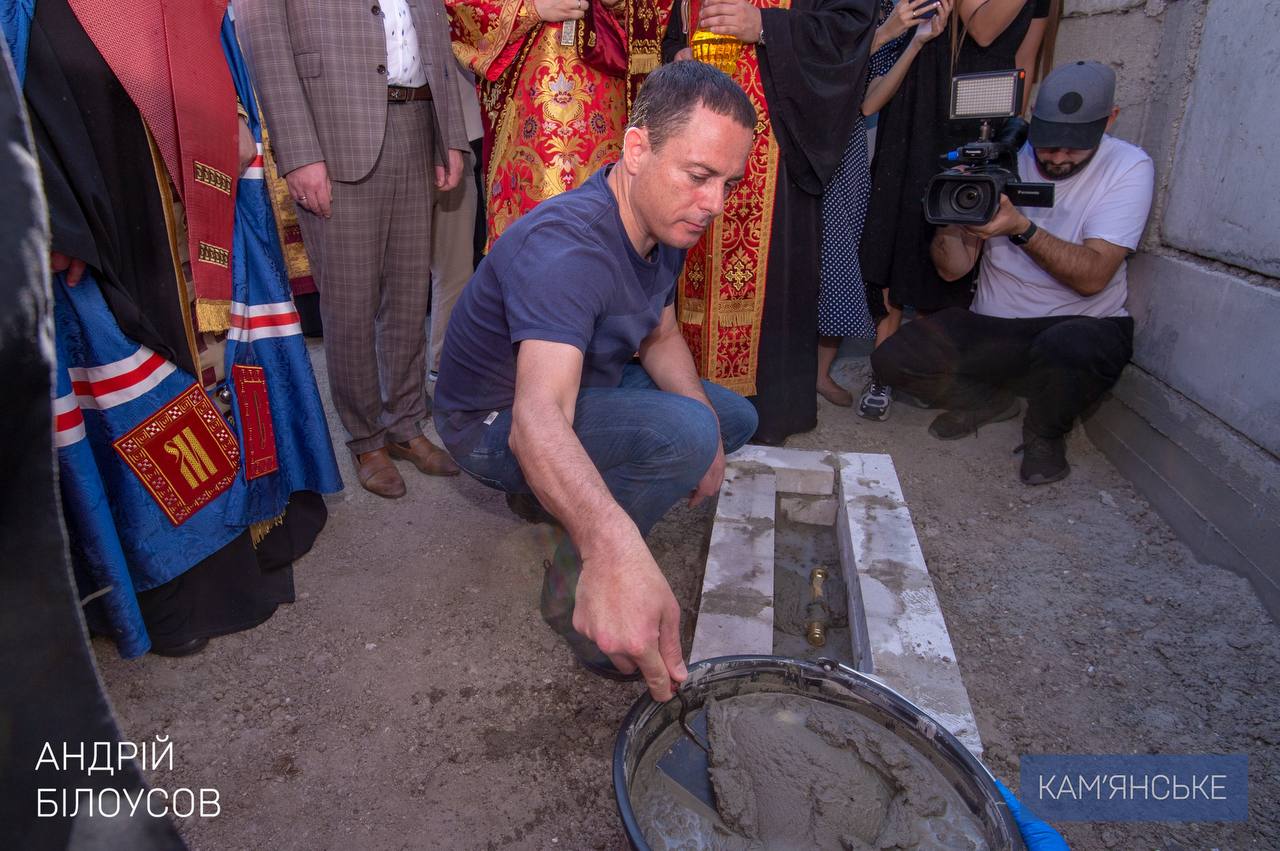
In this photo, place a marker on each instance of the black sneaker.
(558, 587)
(1044, 459)
(952, 425)
(875, 401)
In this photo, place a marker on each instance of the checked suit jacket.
(320, 68)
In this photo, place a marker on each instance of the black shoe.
(186, 648)
(951, 425)
(557, 611)
(527, 508)
(905, 398)
(1044, 459)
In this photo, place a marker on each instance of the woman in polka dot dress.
(842, 300)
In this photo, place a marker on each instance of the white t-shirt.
(1109, 199)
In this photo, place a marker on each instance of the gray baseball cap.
(1073, 106)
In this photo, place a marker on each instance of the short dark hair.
(671, 94)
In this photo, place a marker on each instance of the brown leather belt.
(404, 94)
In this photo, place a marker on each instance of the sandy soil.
(411, 697)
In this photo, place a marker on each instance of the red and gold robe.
(721, 293)
(550, 119)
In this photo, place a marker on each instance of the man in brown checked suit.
(359, 107)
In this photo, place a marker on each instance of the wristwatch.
(1024, 237)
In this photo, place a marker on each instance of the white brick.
(906, 634)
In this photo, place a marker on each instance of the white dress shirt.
(404, 65)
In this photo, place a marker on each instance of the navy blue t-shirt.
(565, 273)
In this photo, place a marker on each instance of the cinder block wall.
(1195, 421)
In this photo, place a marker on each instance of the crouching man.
(537, 389)
(1048, 321)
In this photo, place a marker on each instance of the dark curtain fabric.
(105, 206)
(52, 691)
(913, 132)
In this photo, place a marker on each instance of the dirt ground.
(411, 697)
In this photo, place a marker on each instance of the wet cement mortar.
(412, 698)
(793, 772)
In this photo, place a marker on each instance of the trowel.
(687, 763)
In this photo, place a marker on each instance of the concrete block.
(798, 470)
(735, 614)
(1073, 8)
(1219, 492)
(1129, 42)
(747, 492)
(909, 648)
(1211, 336)
(814, 510)
(1224, 197)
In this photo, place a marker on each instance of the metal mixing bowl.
(829, 682)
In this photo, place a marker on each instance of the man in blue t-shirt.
(538, 393)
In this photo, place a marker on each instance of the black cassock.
(813, 67)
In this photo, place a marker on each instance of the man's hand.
(74, 267)
(1006, 222)
(684, 54)
(309, 186)
(737, 18)
(626, 607)
(248, 147)
(710, 483)
(555, 11)
(448, 176)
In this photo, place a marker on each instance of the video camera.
(968, 193)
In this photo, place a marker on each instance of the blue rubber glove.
(1037, 834)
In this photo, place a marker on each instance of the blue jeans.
(650, 447)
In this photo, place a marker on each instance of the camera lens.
(967, 197)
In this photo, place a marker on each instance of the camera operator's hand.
(1006, 222)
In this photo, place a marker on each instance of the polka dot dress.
(842, 296)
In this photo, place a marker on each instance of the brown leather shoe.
(378, 475)
(425, 455)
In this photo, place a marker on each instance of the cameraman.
(1048, 320)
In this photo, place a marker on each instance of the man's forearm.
(1078, 267)
(669, 364)
(565, 480)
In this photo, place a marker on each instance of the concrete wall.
(1196, 420)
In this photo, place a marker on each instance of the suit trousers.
(453, 225)
(372, 264)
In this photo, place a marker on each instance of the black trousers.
(960, 360)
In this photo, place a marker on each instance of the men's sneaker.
(952, 425)
(1044, 459)
(875, 401)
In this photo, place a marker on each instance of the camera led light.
(992, 95)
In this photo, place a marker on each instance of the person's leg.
(877, 396)
(1073, 363)
(406, 271)
(827, 386)
(451, 253)
(651, 448)
(346, 260)
(961, 361)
